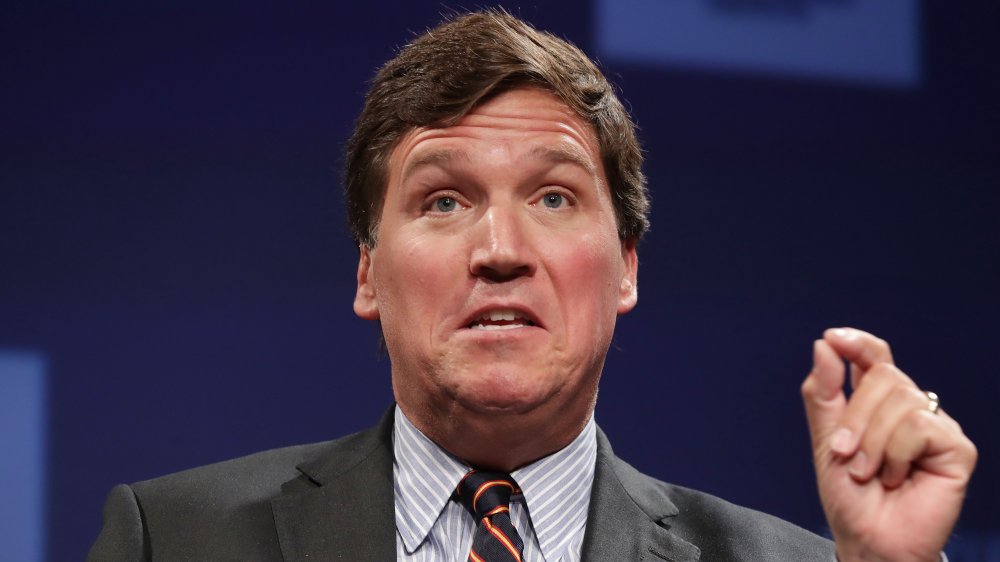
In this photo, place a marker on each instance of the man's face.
(498, 273)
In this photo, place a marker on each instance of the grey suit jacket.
(334, 501)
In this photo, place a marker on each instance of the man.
(494, 187)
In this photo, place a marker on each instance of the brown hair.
(444, 73)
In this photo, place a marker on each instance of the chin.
(502, 393)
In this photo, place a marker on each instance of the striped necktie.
(486, 495)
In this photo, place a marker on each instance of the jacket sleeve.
(123, 537)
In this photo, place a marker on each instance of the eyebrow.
(434, 158)
(564, 153)
(555, 154)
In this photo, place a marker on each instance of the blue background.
(172, 240)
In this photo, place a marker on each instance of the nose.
(501, 249)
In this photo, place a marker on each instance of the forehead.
(531, 120)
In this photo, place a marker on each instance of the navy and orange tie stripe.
(486, 495)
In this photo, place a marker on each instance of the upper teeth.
(516, 320)
(496, 315)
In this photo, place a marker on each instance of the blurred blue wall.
(172, 239)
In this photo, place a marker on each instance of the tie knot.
(486, 493)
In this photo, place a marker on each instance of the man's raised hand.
(892, 473)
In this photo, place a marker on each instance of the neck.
(497, 440)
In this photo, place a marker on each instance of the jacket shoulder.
(721, 529)
(256, 476)
(754, 534)
(263, 475)
(223, 511)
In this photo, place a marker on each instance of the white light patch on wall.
(22, 461)
(873, 41)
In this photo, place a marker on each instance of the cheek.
(589, 277)
(416, 284)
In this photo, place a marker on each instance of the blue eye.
(553, 200)
(445, 204)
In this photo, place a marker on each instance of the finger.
(931, 442)
(873, 390)
(860, 348)
(856, 373)
(823, 394)
(899, 401)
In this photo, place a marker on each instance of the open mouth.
(500, 320)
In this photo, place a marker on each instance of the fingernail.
(841, 332)
(841, 441)
(858, 465)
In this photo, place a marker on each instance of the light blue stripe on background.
(874, 41)
(22, 456)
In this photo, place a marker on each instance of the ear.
(365, 303)
(628, 291)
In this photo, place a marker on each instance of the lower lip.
(498, 327)
(501, 332)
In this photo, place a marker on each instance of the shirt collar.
(556, 488)
(424, 476)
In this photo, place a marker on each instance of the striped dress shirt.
(550, 514)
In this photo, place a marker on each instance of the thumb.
(823, 394)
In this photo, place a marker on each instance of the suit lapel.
(629, 518)
(341, 507)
